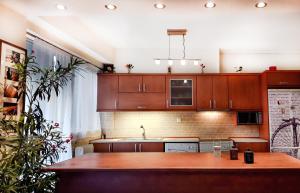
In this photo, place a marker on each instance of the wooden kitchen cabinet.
(244, 92)
(212, 93)
(283, 78)
(125, 147)
(151, 147)
(254, 146)
(138, 147)
(107, 92)
(154, 84)
(142, 84)
(181, 92)
(103, 147)
(142, 101)
(130, 83)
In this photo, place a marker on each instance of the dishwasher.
(182, 147)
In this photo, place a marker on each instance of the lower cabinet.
(129, 147)
(103, 147)
(254, 146)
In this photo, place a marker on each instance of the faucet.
(144, 132)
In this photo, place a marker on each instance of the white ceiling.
(137, 24)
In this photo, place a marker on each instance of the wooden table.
(177, 173)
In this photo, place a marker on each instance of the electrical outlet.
(178, 120)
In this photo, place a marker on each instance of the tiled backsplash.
(175, 124)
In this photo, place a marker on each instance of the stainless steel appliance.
(182, 147)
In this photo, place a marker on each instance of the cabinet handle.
(109, 147)
(140, 147)
(134, 147)
(210, 105)
(283, 83)
(144, 87)
(230, 104)
(139, 87)
(115, 104)
(140, 107)
(215, 104)
(167, 103)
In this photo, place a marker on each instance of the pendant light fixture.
(183, 60)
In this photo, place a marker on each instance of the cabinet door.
(142, 101)
(220, 92)
(256, 146)
(102, 147)
(153, 84)
(125, 147)
(181, 92)
(130, 83)
(151, 147)
(244, 92)
(107, 92)
(204, 92)
(283, 78)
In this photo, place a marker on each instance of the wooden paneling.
(220, 92)
(204, 92)
(129, 83)
(107, 92)
(154, 84)
(151, 147)
(244, 92)
(125, 147)
(254, 146)
(103, 147)
(179, 181)
(142, 101)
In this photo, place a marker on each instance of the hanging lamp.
(183, 60)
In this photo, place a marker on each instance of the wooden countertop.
(174, 162)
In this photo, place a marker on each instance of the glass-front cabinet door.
(181, 92)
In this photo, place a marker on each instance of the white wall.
(259, 60)
(12, 26)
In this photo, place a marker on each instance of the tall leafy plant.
(32, 142)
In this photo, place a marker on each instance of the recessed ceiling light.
(261, 4)
(61, 7)
(159, 6)
(111, 6)
(210, 4)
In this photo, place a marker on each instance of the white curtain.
(75, 107)
(85, 119)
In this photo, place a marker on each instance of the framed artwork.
(108, 68)
(10, 103)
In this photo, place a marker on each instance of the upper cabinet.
(154, 84)
(244, 92)
(146, 84)
(283, 78)
(142, 92)
(129, 83)
(181, 92)
(107, 92)
(212, 92)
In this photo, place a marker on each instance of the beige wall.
(164, 124)
(12, 26)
